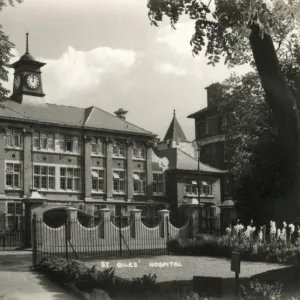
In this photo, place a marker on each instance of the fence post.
(164, 224)
(168, 234)
(136, 219)
(120, 235)
(72, 216)
(34, 240)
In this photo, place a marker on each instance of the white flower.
(260, 235)
(273, 227)
(292, 228)
(278, 232)
(284, 224)
(228, 230)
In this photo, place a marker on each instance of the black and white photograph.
(149, 149)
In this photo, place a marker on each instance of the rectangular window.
(139, 184)
(158, 184)
(15, 214)
(97, 146)
(118, 181)
(206, 187)
(70, 179)
(119, 149)
(69, 144)
(42, 140)
(13, 175)
(191, 187)
(139, 151)
(97, 180)
(13, 138)
(44, 177)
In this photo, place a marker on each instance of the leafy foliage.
(223, 30)
(5, 52)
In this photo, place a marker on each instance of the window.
(139, 185)
(13, 138)
(158, 184)
(139, 151)
(70, 179)
(144, 210)
(69, 144)
(97, 146)
(43, 141)
(206, 187)
(15, 213)
(191, 187)
(97, 180)
(13, 175)
(44, 177)
(119, 181)
(119, 149)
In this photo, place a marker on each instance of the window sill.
(201, 196)
(119, 194)
(119, 157)
(139, 158)
(139, 194)
(14, 148)
(13, 189)
(159, 194)
(98, 193)
(56, 152)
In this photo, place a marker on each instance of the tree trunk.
(285, 111)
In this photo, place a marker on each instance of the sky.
(105, 53)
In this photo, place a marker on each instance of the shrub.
(86, 279)
(174, 246)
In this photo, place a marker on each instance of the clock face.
(32, 81)
(17, 81)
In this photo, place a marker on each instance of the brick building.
(209, 132)
(62, 155)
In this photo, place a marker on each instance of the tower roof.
(175, 131)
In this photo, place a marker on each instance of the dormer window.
(13, 138)
(119, 149)
(139, 151)
(69, 144)
(97, 146)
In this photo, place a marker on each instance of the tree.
(241, 31)
(5, 53)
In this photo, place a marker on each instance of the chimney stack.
(121, 113)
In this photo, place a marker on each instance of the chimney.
(121, 113)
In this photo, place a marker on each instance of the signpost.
(236, 267)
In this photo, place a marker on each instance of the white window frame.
(74, 179)
(191, 187)
(64, 139)
(15, 132)
(139, 151)
(99, 144)
(13, 172)
(157, 183)
(97, 180)
(142, 183)
(118, 180)
(206, 187)
(37, 136)
(40, 175)
(117, 149)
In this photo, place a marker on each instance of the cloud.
(167, 68)
(78, 70)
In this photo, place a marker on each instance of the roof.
(193, 115)
(180, 160)
(187, 162)
(175, 132)
(36, 110)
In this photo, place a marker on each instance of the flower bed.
(279, 246)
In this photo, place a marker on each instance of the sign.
(235, 262)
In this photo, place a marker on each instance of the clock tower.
(27, 77)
